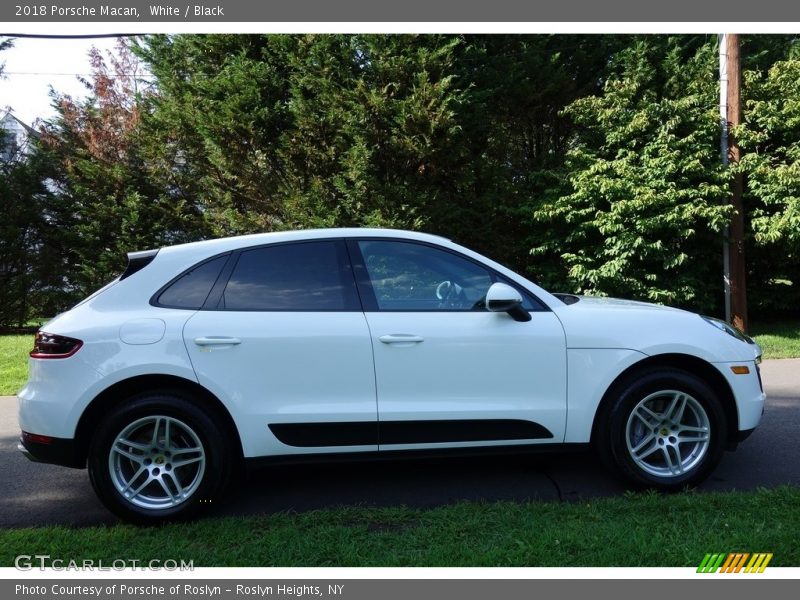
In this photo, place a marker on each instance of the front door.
(448, 372)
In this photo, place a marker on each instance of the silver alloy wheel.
(668, 433)
(157, 462)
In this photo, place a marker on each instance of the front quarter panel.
(591, 372)
(650, 329)
(605, 337)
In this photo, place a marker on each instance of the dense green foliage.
(589, 163)
(771, 161)
(450, 134)
(642, 207)
(275, 132)
(31, 238)
(16, 278)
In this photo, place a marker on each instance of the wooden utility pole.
(735, 288)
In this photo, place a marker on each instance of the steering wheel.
(449, 293)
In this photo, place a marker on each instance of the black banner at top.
(361, 11)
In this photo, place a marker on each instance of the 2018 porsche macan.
(370, 342)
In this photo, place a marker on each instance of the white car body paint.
(301, 367)
(503, 370)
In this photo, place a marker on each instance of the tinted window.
(193, 287)
(407, 276)
(306, 276)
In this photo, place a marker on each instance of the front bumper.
(748, 393)
(56, 451)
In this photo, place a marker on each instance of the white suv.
(302, 344)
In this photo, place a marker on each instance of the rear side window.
(308, 276)
(192, 288)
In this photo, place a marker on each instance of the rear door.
(285, 343)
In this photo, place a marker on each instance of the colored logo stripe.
(711, 563)
(734, 562)
(758, 563)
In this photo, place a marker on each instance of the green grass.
(631, 530)
(14, 362)
(778, 339)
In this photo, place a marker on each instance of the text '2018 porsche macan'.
(370, 342)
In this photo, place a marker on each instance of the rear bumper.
(57, 451)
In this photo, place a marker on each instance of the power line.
(68, 74)
(85, 36)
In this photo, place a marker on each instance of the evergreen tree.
(115, 205)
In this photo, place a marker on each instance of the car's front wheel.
(158, 457)
(664, 429)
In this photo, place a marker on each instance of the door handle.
(401, 338)
(217, 341)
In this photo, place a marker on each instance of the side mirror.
(504, 298)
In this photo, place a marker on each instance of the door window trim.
(369, 300)
(350, 260)
(214, 297)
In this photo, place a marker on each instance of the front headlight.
(727, 328)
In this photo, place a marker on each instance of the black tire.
(666, 454)
(174, 482)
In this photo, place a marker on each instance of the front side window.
(308, 276)
(409, 276)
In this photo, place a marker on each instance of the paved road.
(36, 494)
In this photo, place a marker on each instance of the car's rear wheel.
(665, 429)
(157, 457)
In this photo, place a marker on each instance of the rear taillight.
(48, 345)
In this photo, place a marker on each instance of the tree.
(16, 239)
(458, 135)
(770, 139)
(643, 213)
(598, 152)
(115, 203)
(276, 132)
(29, 275)
(381, 136)
(516, 135)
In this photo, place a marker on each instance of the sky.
(33, 65)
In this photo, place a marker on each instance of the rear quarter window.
(191, 289)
